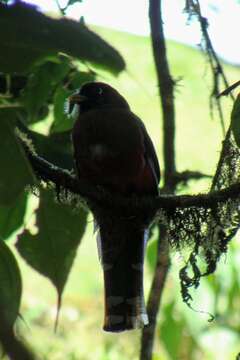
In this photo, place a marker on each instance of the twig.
(221, 160)
(160, 274)
(229, 89)
(113, 201)
(187, 175)
(134, 206)
(61, 10)
(193, 8)
(166, 90)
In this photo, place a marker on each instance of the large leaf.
(13, 59)
(16, 172)
(27, 36)
(52, 249)
(62, 122)
(80, 77)
(171, 332)
(175, 333)
(41, 84)
(235, 120)
(10, 284)
(11, 217)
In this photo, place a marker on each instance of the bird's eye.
(100, 91)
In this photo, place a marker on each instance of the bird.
(112, 149)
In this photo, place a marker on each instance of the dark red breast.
(112, 148)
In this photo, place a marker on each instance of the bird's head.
(96, 95)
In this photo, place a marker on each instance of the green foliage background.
(34, 84)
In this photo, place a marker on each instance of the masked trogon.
(113, 149)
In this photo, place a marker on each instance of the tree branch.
(159, 278)
(228, 90)
(185, 176)
(193, 8)
(113, 201)
(134, 207)
(166, 90)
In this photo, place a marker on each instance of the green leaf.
(40, 86)
(80, 77)
(16, 172)
(152, 253)
(235, 120)
(10, 284)
(171, 332)
(27, 36)
(176, 334)
(12, 216)
(62, 122)
(52, 249)
(233, 293)
(152, 246)
(17, 60)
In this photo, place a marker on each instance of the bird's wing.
(150, 152)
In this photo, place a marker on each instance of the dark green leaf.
(16, 172)
(233, 293)
(52, 250)
(235, 120)
(40, 86)
(11, 217)
(17, 60)
(27, 36)
(80, 77)
(10, 284)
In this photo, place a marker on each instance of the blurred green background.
(182, 333)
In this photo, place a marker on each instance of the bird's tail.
(122, 247)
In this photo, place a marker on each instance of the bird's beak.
(76, 99)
